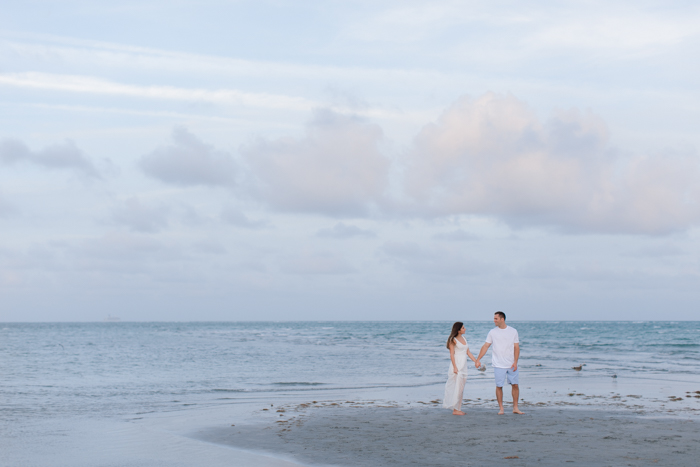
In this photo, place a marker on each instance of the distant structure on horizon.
(112, 319)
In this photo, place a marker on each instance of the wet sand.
(372, 433)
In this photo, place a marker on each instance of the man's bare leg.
(516, 396)
(499, 398)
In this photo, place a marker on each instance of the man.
(504, 357)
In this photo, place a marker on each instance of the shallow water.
(65, 374)
(124, 368)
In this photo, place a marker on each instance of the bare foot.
(458, 412)
(518, 411)
(501, 412)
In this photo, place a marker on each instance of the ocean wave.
(150, 364)
(326, 388)
(228, 390)
(301, 383)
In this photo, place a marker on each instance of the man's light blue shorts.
(501, 373)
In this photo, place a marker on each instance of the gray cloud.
(189, 162)
(193, 217)
(656, 251)
(235, 216)
(210, 247)
(335, 169)
(6, 209)
(65, 155)
(442, 261)
(492, 156)
(342, 230)
(35, 257)
(455, 236)
(141, 218)
(314, 262)
(594, 275)
(123, 253)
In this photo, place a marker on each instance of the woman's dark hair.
(455, 331)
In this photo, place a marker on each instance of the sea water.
(85, 380)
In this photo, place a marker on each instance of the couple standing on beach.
(504, 357)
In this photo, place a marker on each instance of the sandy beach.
(346, 433)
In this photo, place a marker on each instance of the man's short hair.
(501, 314)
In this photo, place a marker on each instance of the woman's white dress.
(454, 389)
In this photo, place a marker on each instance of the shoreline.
(349, 427)
(377, 433)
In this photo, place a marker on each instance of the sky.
(234, 160)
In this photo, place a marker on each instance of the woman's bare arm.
(482, 352)
(452, 357)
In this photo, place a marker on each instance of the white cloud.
(535, 27)
(179, 116)
(342, 230)
(336, 169)
(492, 156)
(621, 28)
(406, 23)
(65, 155)
(79, 54)
(93, 85)
(189, 162)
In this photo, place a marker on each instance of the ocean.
(80, 378)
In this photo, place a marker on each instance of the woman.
(457, 374)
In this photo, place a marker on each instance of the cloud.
(6, 209)
(441, 261)
(656, 251)
(122, 253)
(140, 218)
(336, 169)
(35, 257)
(315, 262)
(92, 85)
(532, 29)
(100, 56)
(492, 156)
(210, 247)
(556, 276)
(235, 216)
(455, 236)
(189, 162)
(342, 230)
(626, 29)
(65, 155)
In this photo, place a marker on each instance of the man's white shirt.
(502, 346)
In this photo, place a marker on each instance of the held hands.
(477, 363)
